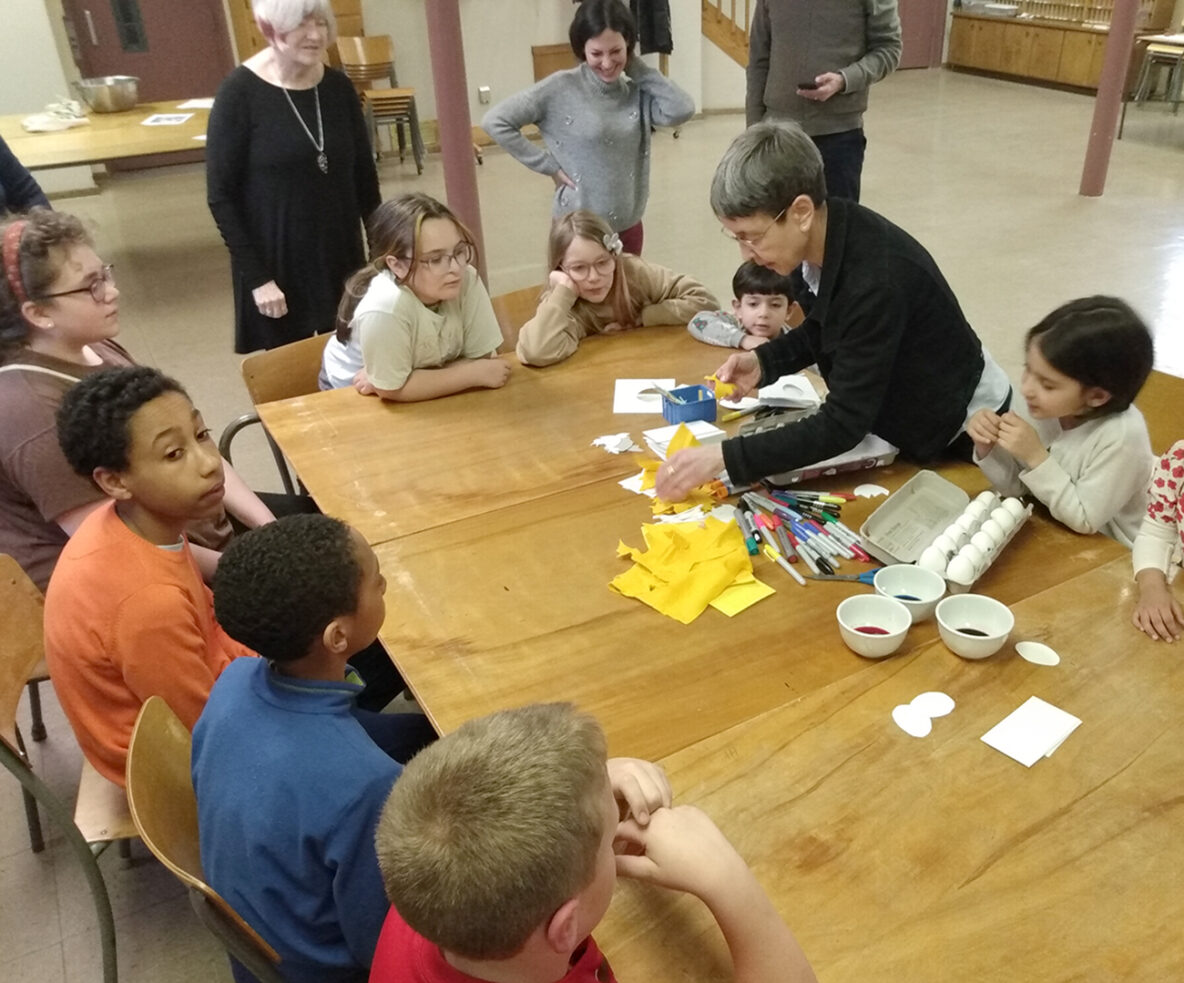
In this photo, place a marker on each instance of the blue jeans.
(842, 162)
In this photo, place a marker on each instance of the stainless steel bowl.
(110, 93)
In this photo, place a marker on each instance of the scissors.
(867, 577)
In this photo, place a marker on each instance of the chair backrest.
(513, 310)
(1161, 400)
(367, 59)
(284, 372)
(550, 58)
(21, 646)
(164, 808)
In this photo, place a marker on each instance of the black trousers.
(842, 162)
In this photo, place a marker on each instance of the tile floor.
(983, 172)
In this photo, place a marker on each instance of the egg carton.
(909, 521)
(967, 547)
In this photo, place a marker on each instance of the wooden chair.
(1161, 401)
(101, 815)
(281, 373)
(513, 310)
(371, 59)
(163, 806)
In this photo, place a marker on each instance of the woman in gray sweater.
(595, 121)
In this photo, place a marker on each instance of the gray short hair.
(283, 16)
(765, 169)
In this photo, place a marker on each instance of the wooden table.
(107, 137)
(391, 469)
(941, 859)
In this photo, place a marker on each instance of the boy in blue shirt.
(290, 776)
(761, 298)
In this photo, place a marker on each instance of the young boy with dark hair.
(760, 306)
(290, 776)
(127, 615)
(497, 850)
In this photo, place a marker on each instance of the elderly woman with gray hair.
(290, 178)
(882, 324)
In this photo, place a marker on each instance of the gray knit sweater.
(597, 132)
(794, 41)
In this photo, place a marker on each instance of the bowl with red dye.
(872, 625)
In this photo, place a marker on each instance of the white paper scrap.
(1037, 653)
(616, 443)
(628, 396)
(911, 720)
(658, 439)
(206, 103)
(167, 119)
(634, 485)
(933, 704)
(870, 491)
(201, 138)
(1032, 731)
(791, 392)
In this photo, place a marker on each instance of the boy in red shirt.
(497, 848)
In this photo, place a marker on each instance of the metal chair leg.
(38, 728)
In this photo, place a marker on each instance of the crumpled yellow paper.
(723, 390)
(685, 566)
(706, 495)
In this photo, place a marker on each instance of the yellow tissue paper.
(740, 595)
(685, 567)
(723, 390)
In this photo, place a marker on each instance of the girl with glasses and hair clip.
(59, 316)
(596, 288)
(416, 322)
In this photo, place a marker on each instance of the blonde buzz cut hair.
(276, 17)
(495, 826)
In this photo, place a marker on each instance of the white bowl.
(916, 588)
(875, 611)
(959, 613)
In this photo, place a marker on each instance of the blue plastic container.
(699, 405)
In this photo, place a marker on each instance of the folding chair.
(513, 310)
(366, 60)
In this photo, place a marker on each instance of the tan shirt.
(657, 296)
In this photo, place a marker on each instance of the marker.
(737, 414)
(777, 558)
(803, 552)
(844, 549)
(747, 532)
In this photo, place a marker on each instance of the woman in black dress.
(290, 178)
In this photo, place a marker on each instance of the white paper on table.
(206, 103)
(1031, 732)
(167, 119)
(743, 403)
(791, 391)
(628, 398)
(658, 439)
(616, 443)
(201, 137)
(634, 485)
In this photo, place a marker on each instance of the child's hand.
(362, 383)
(1157, 612)
(983, 429)
(743, 371)
(1018, 437)
(681, 849)
(751, 341)
(557, 278)
(490, 373)
(614, 327)
(640, 786)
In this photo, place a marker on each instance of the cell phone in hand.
(808, 85)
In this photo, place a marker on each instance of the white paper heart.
(933, 704)
(870, 491)
(912, 721)
(1037, 653)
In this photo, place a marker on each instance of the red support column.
(1108, 104)
(452, 115)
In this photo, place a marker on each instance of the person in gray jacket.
(813, 63)
(595, 120)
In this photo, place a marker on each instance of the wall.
(32, 76)
(722, 80)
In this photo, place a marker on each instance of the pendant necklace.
(319, 142)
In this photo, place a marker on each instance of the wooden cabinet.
(1070, 55)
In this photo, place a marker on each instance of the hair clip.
(612, 242)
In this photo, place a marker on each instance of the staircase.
(725, 24)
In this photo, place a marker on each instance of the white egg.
(974, 555)
(1005, 519)
(947, 546)
(932, 558)
(976, 511)
(960, 570)
(957, 536)
(1015, 507)
(988, 498)
(966, 524)
(995, 531)
(983, 543)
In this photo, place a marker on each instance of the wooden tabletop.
(108, 136)
(938, 859)
(513, 606)
(391, 469)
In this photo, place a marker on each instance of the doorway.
(923, 32)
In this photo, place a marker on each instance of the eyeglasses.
(439, 263)
(581, 271)
(752, 240)
(97, 288)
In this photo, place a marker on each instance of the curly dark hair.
(278, 586)
(597, 16)
(94, 417)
